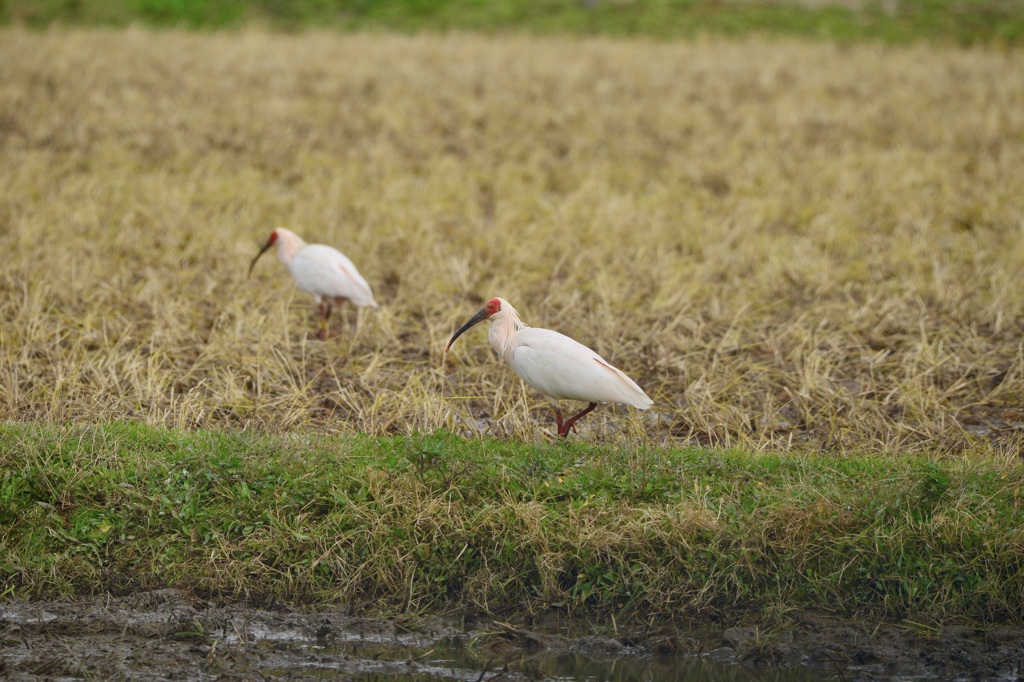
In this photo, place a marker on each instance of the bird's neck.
(287, 246)
(501, 333)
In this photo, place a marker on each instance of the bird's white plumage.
(559, 367)
(322, 270)
(564, 369)
(327, 273)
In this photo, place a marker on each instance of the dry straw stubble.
(783, 242)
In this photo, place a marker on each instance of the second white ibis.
(557, 366)
(320, 270)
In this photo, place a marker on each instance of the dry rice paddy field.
(787, 244)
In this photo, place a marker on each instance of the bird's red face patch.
(273, 238)
(493, 306)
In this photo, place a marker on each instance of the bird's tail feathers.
(637, 397)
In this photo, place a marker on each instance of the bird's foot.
(563, 425)
(570, 423)
(565, 428)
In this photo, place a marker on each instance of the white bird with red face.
(320, 270)
(554, 364)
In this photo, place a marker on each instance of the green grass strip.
(431, 521)
(960, 21)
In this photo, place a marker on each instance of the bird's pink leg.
(563, 428)
(325, 312)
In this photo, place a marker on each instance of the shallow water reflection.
(452, 659)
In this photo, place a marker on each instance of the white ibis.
(554, 364)
(320, 270)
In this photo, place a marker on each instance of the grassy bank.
(419, 522)
(977, 21)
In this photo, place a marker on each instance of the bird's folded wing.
(562, 368)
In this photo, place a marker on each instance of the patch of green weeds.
(980, 21)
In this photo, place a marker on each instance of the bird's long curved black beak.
(262, 251)
(480, 316)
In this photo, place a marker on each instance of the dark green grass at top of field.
(426, 521)
(954, 21)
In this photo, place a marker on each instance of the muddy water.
(166, 635)
(451, 659)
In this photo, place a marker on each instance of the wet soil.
(167, 635)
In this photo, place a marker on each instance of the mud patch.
(166, 635)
